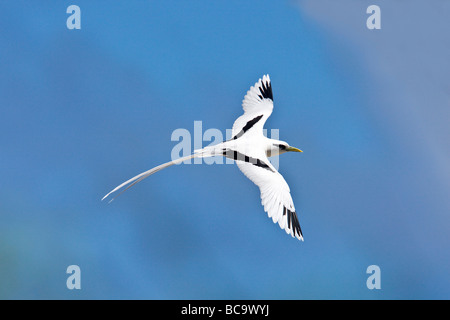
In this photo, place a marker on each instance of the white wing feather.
(275, 196)
(275, 193)
(257, 101)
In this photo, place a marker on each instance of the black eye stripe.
(280, 146)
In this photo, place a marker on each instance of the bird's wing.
(258, 106)
(275, 193)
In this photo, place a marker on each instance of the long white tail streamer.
(131, 182)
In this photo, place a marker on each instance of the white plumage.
(250, 149)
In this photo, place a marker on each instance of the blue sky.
(84, 110)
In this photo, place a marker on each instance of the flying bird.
(250, 149)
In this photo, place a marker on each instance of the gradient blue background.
(84, 110)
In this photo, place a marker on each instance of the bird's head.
(279, 147)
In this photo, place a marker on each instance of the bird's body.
(251, 150)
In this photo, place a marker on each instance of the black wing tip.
(293, 222)
(266, 88)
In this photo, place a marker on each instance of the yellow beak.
(293, 149)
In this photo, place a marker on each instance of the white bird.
(251, 150)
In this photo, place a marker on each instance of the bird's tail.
(201, 153)
(131, 182)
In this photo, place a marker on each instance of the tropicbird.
(250, 149)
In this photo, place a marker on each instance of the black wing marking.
(235, 155)
(266, 90)
(293, 220)
(248, 126)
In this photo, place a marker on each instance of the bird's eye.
(281, 146)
